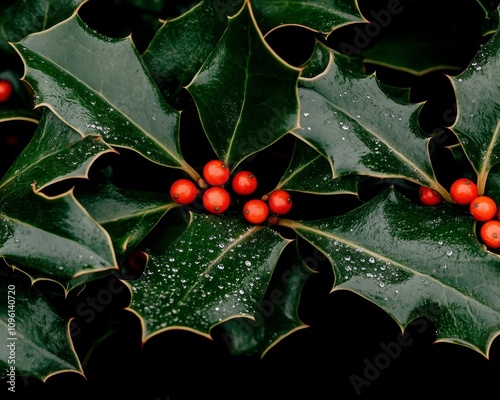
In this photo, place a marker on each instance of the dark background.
(351, 349)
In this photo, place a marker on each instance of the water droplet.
(449, 253)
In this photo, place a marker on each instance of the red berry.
(428, 196)
(216, 173)
(136, 260)
(255, 211)
(463, 191)
(216, 199)
(483, 208)
(6, 89)
(244, 183)
(490, 233)
(183, 191)
(280, 202)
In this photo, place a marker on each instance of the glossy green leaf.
(27, 16)
(19, 115)
(478, 105)
(128, 215)
(245, 94)
(410, 53)
(320, 15)
(35, 339)
(310, 171)
(55, 153)
(349, 119)
(415, 261)
(99, 85)
(217, 269)
(317, 62)
(276, 317)
(52, 235)
(182, 44)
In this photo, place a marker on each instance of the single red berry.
(136, 260)
(463, 191)
(490, 233)
(244, 183)
(428, 196)
(280, 202)
(216, 173)
(216, 199)
(255, 211)
(183, 191)
(6, 90)
(483, 208)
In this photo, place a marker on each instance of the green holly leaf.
(407, 51)
(414, 261)
(276, 317)
(100, 85)
(55, 153)
(349, 119)
(317, 62)
(24, 17)
(477, 125)
(320, 15)
(309, 171)
(19, 115)
(181, 45)
(226, 277)
(35, 340)
(128, 215)
(53, 236)
(245, 94)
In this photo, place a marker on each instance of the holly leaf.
(242, 87)
(320, 15)
(349, 119)
(477, 125)
(35, 340)
(414, 261)
(226, 277)
(128, 215)
(95, 83)
(53, 236)
(55, 153)
(415, 52)
(317, 62)
(276, 317)
(309, 171)
(18, 115)
(182, 44)
(24, 17)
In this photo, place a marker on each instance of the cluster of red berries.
(216, 199)
(484, 209)
(6, 90)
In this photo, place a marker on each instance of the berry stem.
(442, 191)
(481, 183)
(194, 175)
